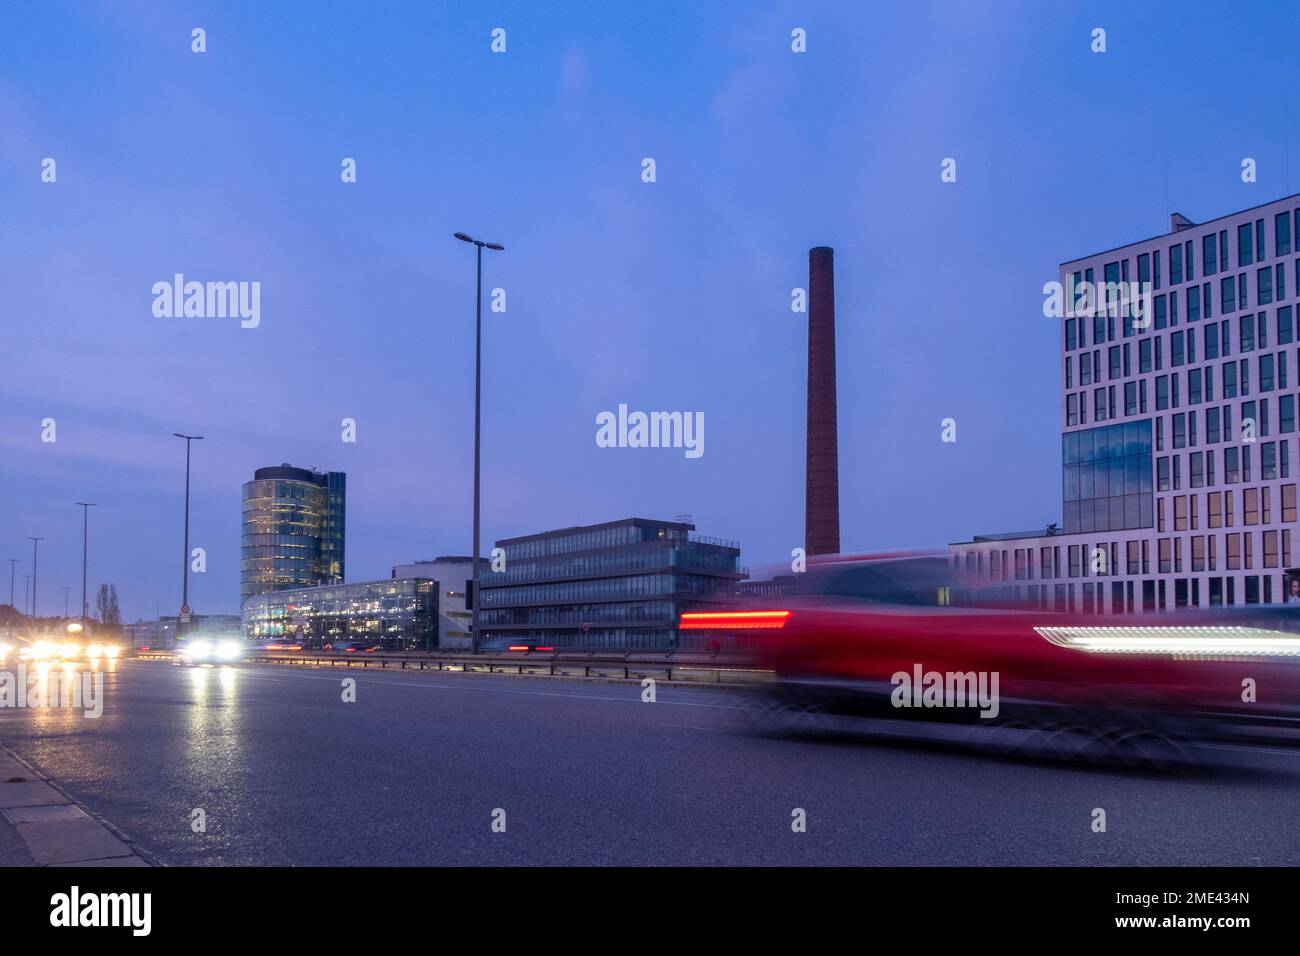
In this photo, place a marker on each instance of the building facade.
(161, 633)
(398, 614)
(454, 577)
(621, 585)
(1178, 427)
(293, 530)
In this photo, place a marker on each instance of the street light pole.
(35, 541)
(478, 369)
(27, 594)
(85, 531)
(66, 589)
(185, 566)
(13, 563)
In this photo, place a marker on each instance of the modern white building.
(455, 578)
(1178, 428)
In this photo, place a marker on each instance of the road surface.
(285, 772)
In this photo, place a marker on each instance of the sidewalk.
(41, 826)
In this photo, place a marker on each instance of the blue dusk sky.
(674, 295)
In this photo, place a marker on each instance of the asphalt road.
(411, 773)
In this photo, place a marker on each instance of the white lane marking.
(632, 698)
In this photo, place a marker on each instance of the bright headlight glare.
(70, 649)
(228, 650)
(94, 650)
(199, 648)
(111, 651)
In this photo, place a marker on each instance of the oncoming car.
(202, 650)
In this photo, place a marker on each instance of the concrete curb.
(55, 828)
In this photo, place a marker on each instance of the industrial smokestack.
(822, 502)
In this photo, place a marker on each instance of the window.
(1264, 286)
(1282, 234)
(1209, 256)
(1284, 328)
(1211, 426)
(1193, 303)
(1244, 245)
(1176, 259)
(1286, 413)
(1228, 294)
(1211, 338)
(1266, 373)
(1144, 356)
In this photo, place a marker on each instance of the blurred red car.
(880, 638)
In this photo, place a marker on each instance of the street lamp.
(13, 563)
(35, 541)
(27, 594)
(85, 527)
(185, 567)
(478, 368)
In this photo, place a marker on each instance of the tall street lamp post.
(184, 618)
(478, 368)
(35, 541)
(13, 563)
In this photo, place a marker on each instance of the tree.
(106, 605)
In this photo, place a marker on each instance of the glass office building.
(1179, 358)
(397, 614)
(621, 585)
(293, 530)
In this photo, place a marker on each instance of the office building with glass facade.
(397, 614)
(293, 530)
(621, 585)
(1179, 440)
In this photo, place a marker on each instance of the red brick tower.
(822, 503)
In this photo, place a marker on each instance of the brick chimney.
(822, 489)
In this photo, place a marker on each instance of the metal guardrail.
(681, 667)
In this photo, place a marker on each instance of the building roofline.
(642, 522)
(1166, 235)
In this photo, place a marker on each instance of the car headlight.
(112, 651)
(198, 649)
(228, 650)
(39, 651)
(94, 650)
(70, 649)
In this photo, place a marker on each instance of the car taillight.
(518, 647)
(733, 620)
(543, 648)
